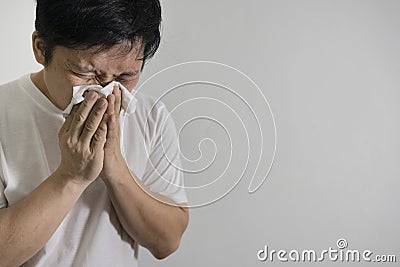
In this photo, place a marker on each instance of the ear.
(38, 47)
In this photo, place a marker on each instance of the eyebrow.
(91, 70)
(129, 73)
(80, 68)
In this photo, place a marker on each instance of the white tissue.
(128, 102)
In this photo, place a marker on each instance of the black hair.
(83, 24)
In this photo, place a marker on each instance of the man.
(73, 192)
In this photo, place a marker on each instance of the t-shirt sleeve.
(163, 173)
(3, 200)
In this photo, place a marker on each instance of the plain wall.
(330, 72)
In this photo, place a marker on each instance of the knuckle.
(69, 143)
(103, 126)
(102, 129)
(74, 109)
(79, 117)
(98, 136)
(98, 113)
(90, 127)
(86, 104)
(86, 154)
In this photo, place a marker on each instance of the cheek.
(70, 78)
(56, 81)
(73, 80)
(59, 87)
(130, 84)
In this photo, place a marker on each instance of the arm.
(156, 225)
(26, 226)
(153, 220)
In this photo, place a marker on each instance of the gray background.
(330, 72)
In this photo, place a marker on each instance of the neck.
(38, 80)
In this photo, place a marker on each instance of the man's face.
(69, 67)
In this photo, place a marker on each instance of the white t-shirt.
(91, 234)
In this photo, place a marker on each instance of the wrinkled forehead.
(117, 59)
(132, 51)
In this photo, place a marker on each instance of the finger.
(70, 117)
(93, 121)
(81, 114)
(74, 108)
(112, 131)
(99, 137)
(64, 128)
(111, 103)
(118, 99)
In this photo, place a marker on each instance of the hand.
(82, 138)
(113, 159)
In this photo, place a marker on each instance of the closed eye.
(84, 76)
(127, 77)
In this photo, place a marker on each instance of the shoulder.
(7, 88)
(152, 118)
(13, 89)
(10, 93)
(150, 107)
(148, 102)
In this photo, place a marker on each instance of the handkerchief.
(128, 102)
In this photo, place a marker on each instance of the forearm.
(26, 226)
(155, 225)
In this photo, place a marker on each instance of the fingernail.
(102, 103)
(92, 95)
